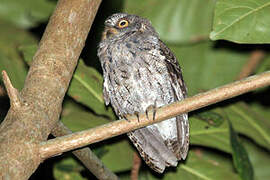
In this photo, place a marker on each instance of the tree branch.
(79, 139)
(46, 83)
(86, 156)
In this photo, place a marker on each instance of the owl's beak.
(109, 32)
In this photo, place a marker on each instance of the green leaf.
(177, 21)
(86, 88)
(259, 158)
(211, 117)
(242, 21)
(10, 60)
(246, 121)
(26, 13)
(202, 165)
(77, 118)
(119, 156)
(204, 134)
(240, 157)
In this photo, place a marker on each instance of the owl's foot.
(152, 108)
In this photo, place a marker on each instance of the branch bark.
(40, 101)
(79, 139)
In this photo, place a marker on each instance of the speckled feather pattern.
(140, 71)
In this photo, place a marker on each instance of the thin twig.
(86, 156)
(79, 139)
(255, 58)
(13, 93)
(137, 161)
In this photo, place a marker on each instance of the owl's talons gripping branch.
(152, 109)
(13, 93)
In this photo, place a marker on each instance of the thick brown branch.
(86, 156)
(79, 139)
(44, 89)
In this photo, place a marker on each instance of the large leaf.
(205, 134)
(259, 158)
(242, 21)
(240, 157)
(176, 21)
(201, 165)
(246, 121)
(26, 13)
(86, 88)
(10, 60)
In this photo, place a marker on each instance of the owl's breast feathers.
(140, 71)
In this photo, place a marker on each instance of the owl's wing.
(174, 70)
(180, 148)
(106, 95)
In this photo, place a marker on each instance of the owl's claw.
(151, 108)
(126, 117)
(138, 115)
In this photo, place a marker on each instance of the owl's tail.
(181, 145)
(157, 152)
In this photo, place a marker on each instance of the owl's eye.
(123, 23)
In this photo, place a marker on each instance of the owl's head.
(120, 24)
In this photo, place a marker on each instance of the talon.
(125, 116)
(149, 108)
(138, 117)
(154, 114)
(146, 112)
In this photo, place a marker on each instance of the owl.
(141, 73)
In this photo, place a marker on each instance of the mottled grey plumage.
(140, 71)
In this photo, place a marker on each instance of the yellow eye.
(123, 23)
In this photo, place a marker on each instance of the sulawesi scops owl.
(140, 72)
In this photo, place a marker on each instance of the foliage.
(203, 35)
